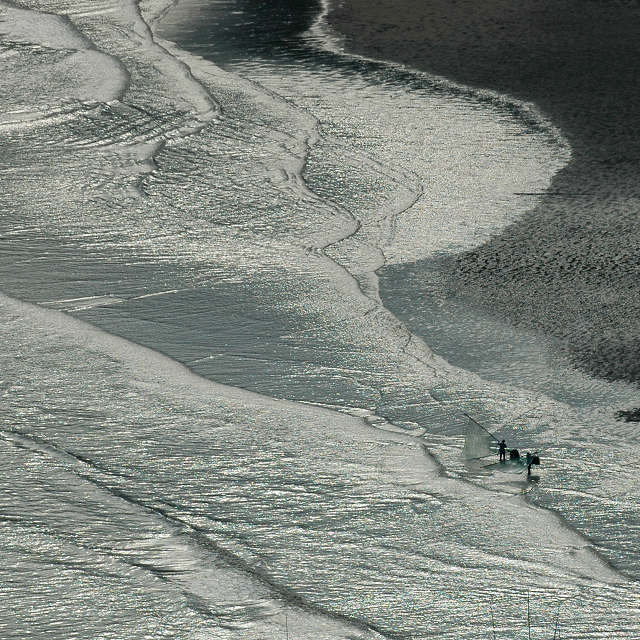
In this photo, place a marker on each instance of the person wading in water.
(503, 451)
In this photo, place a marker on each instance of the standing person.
(503, 451)
(529, 461)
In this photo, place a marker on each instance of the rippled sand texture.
(569, 267)
(141, 499)
(295, 456)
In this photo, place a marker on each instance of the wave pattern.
(233, 220)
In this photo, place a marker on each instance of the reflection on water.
(247, 251)
(229, 31)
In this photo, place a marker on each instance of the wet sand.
(570, 267)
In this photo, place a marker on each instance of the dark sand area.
(571, 267)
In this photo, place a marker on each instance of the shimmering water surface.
(265, 448)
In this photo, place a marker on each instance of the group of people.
(514, 454)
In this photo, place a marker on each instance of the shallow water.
(232, 218)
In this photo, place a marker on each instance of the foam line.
(160, 372)
(206, 106)
(322, 36)
(89, 75)
(166, 373)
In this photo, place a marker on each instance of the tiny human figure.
(503, 451)
(529, 462)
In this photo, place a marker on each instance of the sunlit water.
(233, 219)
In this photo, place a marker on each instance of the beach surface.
(568, 267)
(219, 419)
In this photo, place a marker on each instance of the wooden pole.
(493, 624)
(555, 631)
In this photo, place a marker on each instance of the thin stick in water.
(555, 631)
(493, 625)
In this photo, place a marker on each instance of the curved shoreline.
(580, 570)
(567, 267)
